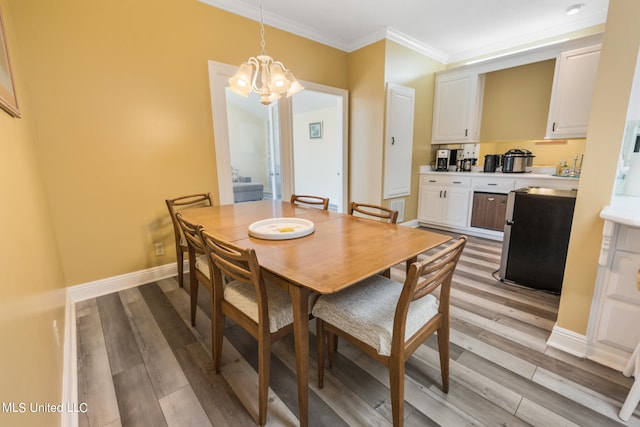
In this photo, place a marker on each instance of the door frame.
(219, 74)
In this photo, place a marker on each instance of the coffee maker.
(442, 160)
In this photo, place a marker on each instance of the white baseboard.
(124, 281)
(568, 341)
(413, 223)
(91, 290)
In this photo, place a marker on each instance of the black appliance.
(491, 162)
(536, 237)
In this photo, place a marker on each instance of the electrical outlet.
(159, 249)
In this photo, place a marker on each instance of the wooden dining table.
(341, 251)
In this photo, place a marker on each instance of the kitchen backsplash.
(547, 152)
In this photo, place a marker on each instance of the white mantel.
(624, 210)
(616, 300)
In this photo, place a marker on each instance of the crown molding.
(251, 12)
(411, 43)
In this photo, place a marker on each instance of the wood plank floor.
(140, 363)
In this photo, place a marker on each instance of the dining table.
(340, 251)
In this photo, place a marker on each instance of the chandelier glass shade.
(264, 76)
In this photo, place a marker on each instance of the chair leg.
(193, 283)
(332, 345)
(443, 349)
(632, 400)
(396, 386)
(217, 337)
(180, 262)
(264, 354)
(320, 351)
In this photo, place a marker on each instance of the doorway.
(274, 146)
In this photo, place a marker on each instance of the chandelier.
(264, 76)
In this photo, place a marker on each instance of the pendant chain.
(262, 29)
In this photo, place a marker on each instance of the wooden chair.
(241, 292)
(174, 205)
(632, 368)
(198, 264)
(310, 200)
(374, 211)
(389, 320)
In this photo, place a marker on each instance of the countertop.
(624, 210)
(544, 173)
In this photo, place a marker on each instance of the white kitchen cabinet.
(573, 84)
(457, 107)
(398, 146)
(444, 200)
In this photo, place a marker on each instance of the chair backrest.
(423, 278)
(190, 233)
(310, 200)
(191, 201)
(374, 211)
(235, 263)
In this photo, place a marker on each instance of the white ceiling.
(447, 30)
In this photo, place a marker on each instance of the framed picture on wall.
(8, 101)
(315, 130)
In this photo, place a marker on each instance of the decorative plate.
(281, 228)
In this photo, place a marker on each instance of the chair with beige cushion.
(375, 211)
(632, 368)
(390, 320)
(199, 274)
(174, 205)
(314, 201)
(243, 293)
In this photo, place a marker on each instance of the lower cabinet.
(474, 203)
(444, 200)
(489, 210)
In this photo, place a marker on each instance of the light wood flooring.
(140, 363)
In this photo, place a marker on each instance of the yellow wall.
(120, 92)
(547, 153)
(515, 112)
(366, 122)
(516, 102)
(31, 280)
(604, 140)
(406, 67)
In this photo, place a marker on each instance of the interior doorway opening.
(294, 145)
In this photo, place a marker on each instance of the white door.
(398, 144)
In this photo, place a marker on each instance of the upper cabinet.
(555, 81)
(573, 84)
(457, 107)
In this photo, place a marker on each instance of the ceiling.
(446, 30)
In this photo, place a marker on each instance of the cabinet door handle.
(491, 199)
(457, 182)
(445, 194)
(393, 140)
(492, 183)
(466, 132)
(432, 180)
(441, 194)
(553, 127)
